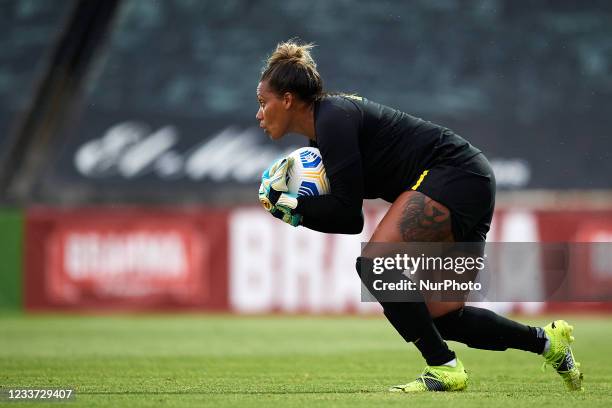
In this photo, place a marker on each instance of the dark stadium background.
(528, 82)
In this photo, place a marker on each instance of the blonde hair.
(291, 68)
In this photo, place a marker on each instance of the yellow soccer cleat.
(560, 355)
(437, 378)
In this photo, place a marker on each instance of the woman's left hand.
(273, 193)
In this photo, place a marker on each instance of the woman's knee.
(439, 309)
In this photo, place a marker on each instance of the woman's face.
(273, 113)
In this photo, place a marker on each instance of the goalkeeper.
(442, 189)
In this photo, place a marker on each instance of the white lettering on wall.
(275, 267)
(131, 149)
(97, 255)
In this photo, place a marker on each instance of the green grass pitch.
(218, 361)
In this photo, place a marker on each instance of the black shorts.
(467, 191)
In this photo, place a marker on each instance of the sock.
(547, 344)
(433, 348)
(411, 320)
(484, 329)
(452, 363)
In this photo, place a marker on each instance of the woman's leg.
(484, 329)
(414, 217)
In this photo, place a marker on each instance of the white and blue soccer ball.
(307, 177)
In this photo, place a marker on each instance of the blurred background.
(130, 155)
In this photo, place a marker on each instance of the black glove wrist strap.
(273, 196)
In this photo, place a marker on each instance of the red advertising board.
(592, 263)
(126, 259)
(245, 261)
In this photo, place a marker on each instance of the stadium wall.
(242, 260)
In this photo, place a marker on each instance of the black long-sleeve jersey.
(371, 151)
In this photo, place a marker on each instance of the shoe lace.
(555, 360)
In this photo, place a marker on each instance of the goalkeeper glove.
(273, 193)
(286, 216)
(276, 174)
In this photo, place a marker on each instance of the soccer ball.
(306, 177)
